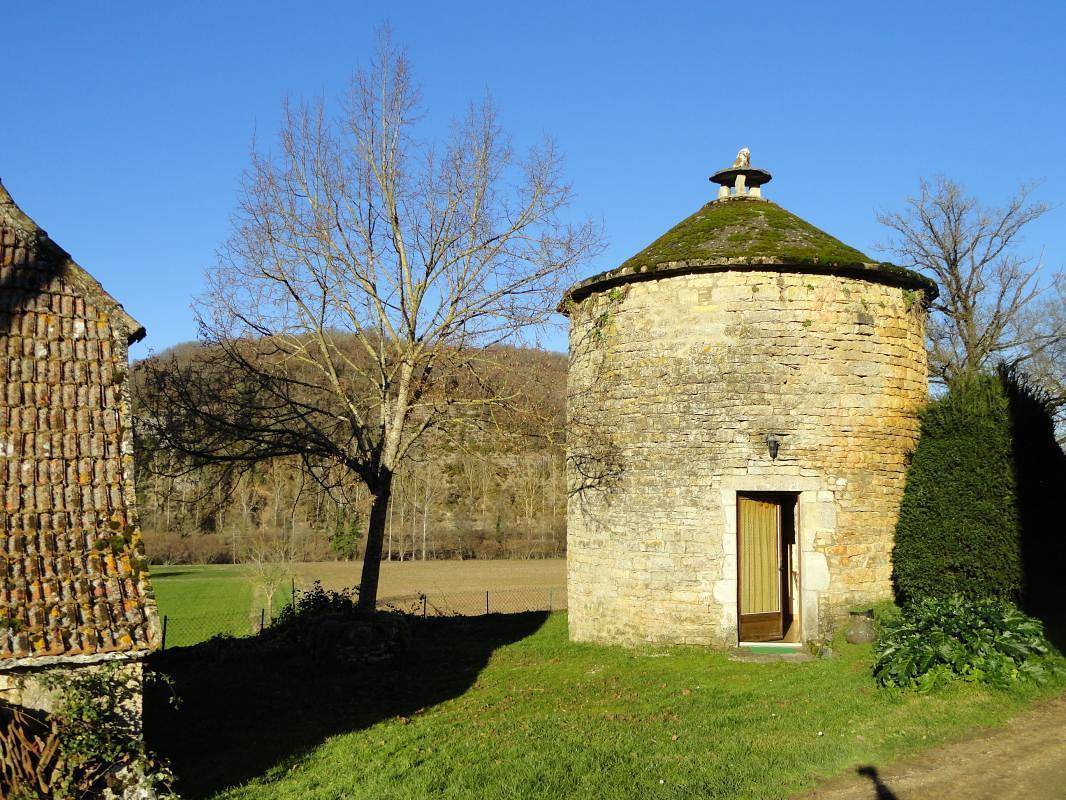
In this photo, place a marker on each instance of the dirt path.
(1026, 759)
(399, 578)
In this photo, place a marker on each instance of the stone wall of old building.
(674, 385)
(26, 687)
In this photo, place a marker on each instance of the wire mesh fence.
(474, 603)
(185, 630)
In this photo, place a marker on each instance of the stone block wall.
(674, 385)
(25, 686)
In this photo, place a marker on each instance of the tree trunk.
(375, 538)
(425, 516)
(390, 532)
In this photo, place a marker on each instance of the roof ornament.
(741, 179)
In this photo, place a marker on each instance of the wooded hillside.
(490, 488)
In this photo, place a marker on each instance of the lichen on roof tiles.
(73, 579)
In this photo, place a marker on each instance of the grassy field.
(192, 591)
(201, 601)
(507, 707)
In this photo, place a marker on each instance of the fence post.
(262, 619)
(294, 592)
(163, 644)
(423, 606)
(486, 601)
(551, 600)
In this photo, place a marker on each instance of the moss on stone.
(746, 228)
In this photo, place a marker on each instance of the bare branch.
(987, 290)
(355, 307)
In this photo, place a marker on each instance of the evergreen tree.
(347, 534)
(976, 517)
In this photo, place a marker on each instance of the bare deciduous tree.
(271, 560)
(987, 290)
(1048, 366)
(368, 276)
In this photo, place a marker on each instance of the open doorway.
(767, 567)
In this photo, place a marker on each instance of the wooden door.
(761, 569)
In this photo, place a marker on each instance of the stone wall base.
(25, 686)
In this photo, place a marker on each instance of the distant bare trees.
(993, 305)
(369, 274)
(271, 560)
(499, 492)
(1048, 366)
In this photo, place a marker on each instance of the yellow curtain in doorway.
(760, 581)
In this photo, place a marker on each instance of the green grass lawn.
(507, 707)
(202, 601)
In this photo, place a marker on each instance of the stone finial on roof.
(741, 179)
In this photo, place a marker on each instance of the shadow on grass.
(883, 792)
(238, 717)
(169, 573)
(1055, 629)
(197, 572)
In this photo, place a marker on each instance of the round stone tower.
(741, 404)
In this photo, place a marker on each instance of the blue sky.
(126, 125)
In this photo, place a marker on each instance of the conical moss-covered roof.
(746, 233)
(746, 228)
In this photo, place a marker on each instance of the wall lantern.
(773, 444)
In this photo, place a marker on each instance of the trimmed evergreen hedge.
(980, 513)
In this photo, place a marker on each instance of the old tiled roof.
(73, 580)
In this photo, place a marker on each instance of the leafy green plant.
(885, 612)
(317, 601)
(937, 640)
